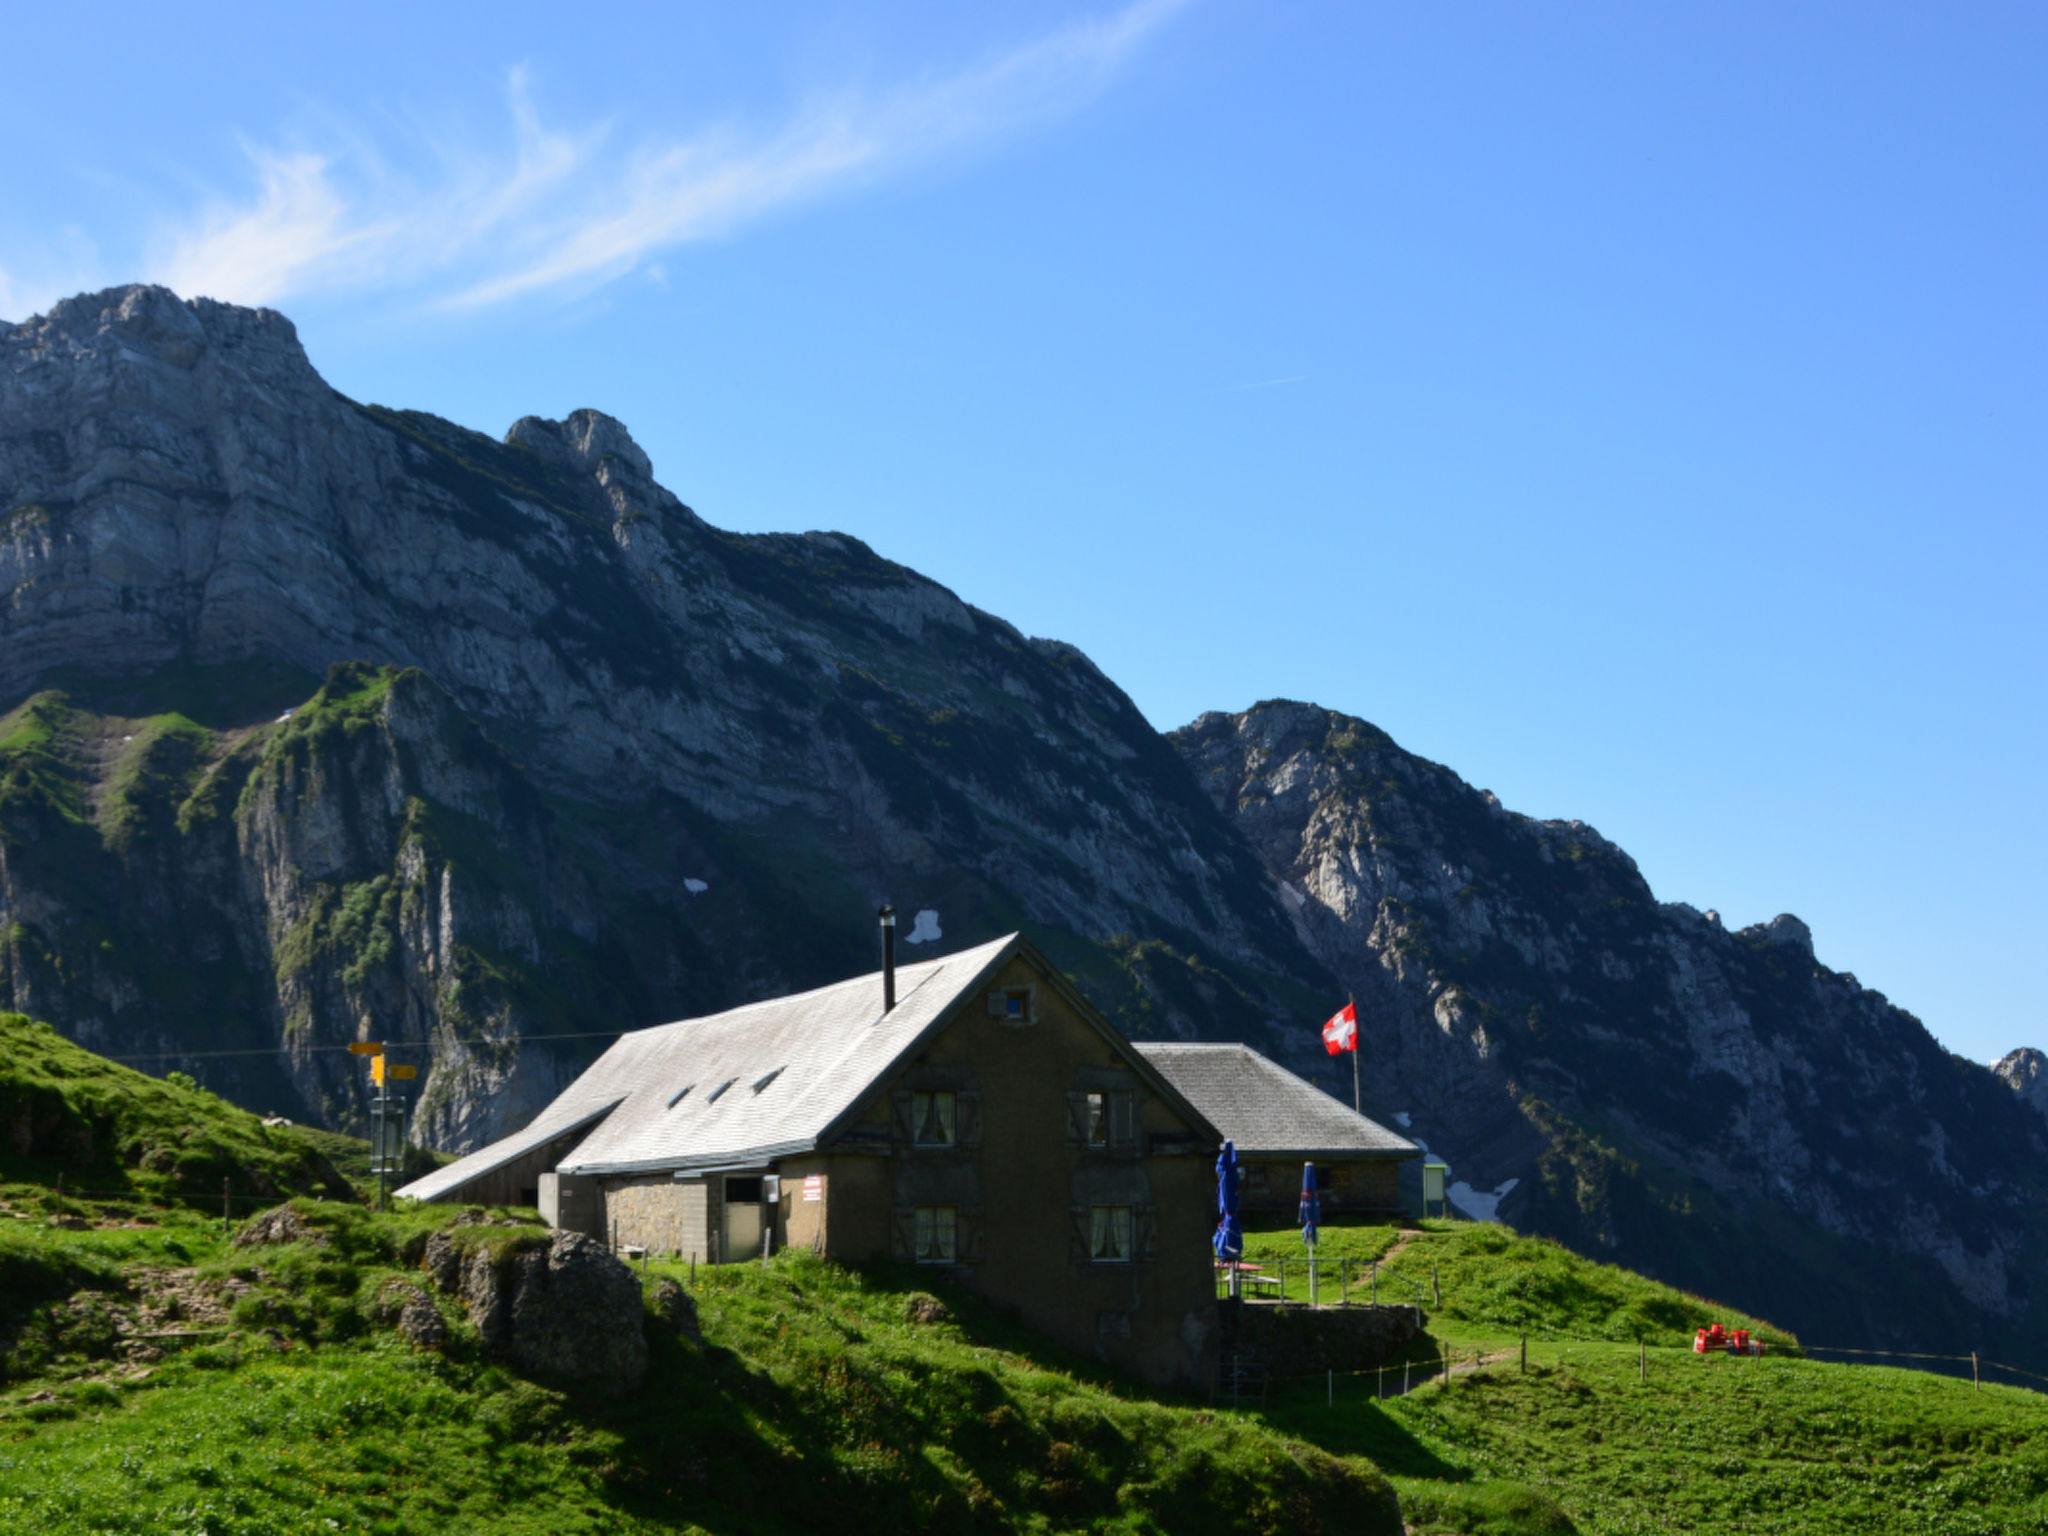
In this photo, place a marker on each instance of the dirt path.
(1400, 1243)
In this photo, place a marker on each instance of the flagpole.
(1356, 1107)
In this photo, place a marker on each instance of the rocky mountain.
(328, 721)
(588, 763)
(1714, 1107)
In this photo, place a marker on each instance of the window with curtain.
(1098, 1119)
(1109, 1234)
(938, 1234)
(932, 1118)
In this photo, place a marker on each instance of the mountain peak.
(149, 321)
(582, 442)
(2026, 1070)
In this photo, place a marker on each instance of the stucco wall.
(1023, 1181)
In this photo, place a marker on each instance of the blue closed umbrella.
(1229, 1241)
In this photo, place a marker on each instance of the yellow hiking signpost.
(387, 1112)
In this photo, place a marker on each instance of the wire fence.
(1364, 1282)
(315, 1050)
(1244, 1380)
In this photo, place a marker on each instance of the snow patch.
(695, 887)
(925, 929)
(1477, 1204)
(284, 717)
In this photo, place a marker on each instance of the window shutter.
(899, 1106)
(1078, 1226)
(903, 1234)
(1123, 1120)
(997, 1006)
(1144, 1233)
(970, 1235)
(1077, 1116)
(967, 1107)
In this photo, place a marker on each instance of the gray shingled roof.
(556, 1120)
(1265, 1108)
(755, 1083)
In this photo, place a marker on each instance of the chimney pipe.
(888, 916)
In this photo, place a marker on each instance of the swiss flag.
(1341, 1033)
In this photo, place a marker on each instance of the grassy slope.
(286, 1401)
(1603, 1435)
(816, 1405)
(154, 1377)
(104, 1128)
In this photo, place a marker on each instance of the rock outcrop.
(558, 1306)
(2026, 1072)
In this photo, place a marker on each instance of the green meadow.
(155, 1377)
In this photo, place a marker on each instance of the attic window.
(719, 1092)
(763, 1082)
(1012, 1005)
(678, 1096)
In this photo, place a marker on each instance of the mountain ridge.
(582, 760)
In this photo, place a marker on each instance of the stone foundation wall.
(660, 1214)
(1292, 1340)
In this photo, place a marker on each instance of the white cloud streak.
(561, 213)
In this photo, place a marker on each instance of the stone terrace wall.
(1294, 1340)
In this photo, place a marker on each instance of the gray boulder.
(563, 1308)
(280, 1225)
(414, 1313)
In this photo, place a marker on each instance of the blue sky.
(1640, 409)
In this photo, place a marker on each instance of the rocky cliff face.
(2025, 1071)
(594, 762)
(1713, 1106)
(327, 722)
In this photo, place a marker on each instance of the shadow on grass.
(844, 1415)
(1349, 1417)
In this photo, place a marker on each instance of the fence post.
(1976, 1381)
(1333, 1386)
(1444, 1381)
(1380, 1396)
(1436, 1286)
(1642, 1361)
(1404, 1378)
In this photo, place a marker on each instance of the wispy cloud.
(560, 212)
